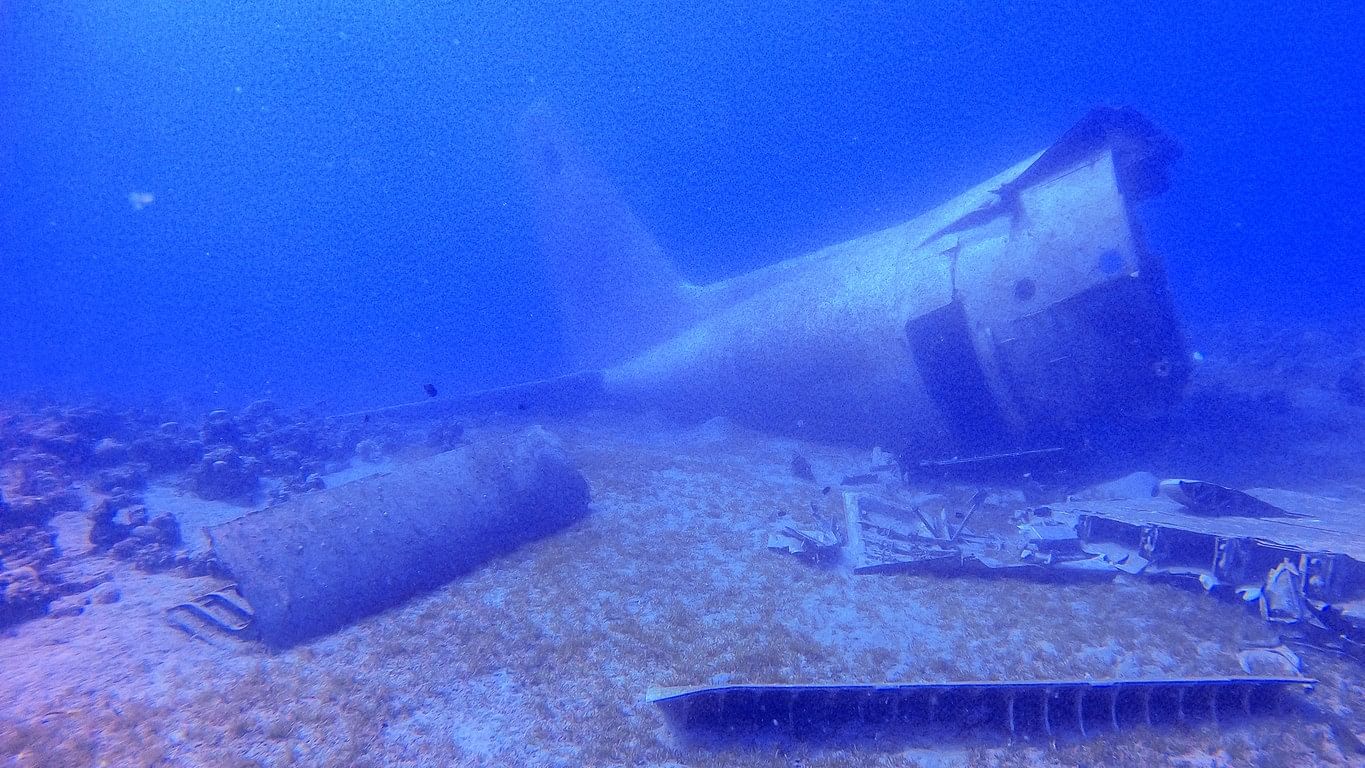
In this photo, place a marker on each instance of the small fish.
(430, 389)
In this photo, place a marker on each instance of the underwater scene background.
(255, 259)
(340, 212)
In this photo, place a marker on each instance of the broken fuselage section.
(1025, 312)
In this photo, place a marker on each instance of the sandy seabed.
(543, 657)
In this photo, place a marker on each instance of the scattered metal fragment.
(1052, 537)
(978, 500)
(1203, 498)
(1306, 571)
(1045, 709)
(222, 612)
(1282, 597)
(786, 536)
(883, 537)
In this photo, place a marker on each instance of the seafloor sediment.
(543, 657)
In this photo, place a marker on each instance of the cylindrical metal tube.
(319, 561)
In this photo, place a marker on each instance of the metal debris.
(1282, 597)
(786, 536)
(1304, 568)
(1044, 709)
(220, 613)
(882, 536)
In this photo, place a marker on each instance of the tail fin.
(618, 293)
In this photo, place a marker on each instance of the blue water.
(338, 212)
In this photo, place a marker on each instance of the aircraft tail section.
(618, 292)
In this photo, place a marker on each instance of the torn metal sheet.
(881, 536)
(1307, 570)
(786, 536)
(1120, 557)
(1282, 599)
(884, 537)
(1051, 535)
(1017, 709)
(1327, 544)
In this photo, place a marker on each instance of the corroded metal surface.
(1322, 525)
(1017, 709)
(1024, 313)
(315, 562)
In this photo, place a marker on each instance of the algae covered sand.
(543, 656)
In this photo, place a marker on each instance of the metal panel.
(1033, 708)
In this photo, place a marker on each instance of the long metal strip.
(986, 705)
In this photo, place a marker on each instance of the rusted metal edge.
(1009, 709)
(664, 693)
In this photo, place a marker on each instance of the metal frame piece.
(224, 612)
(1015, 709)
